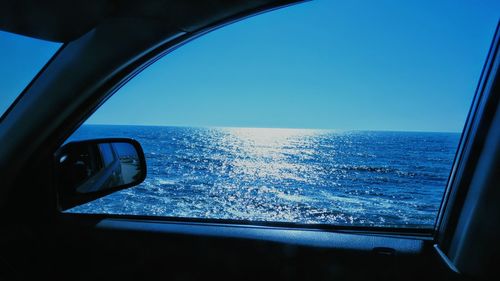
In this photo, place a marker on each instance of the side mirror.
(88, 170)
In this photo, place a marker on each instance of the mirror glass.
(92, 166)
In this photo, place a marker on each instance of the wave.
(362, 178)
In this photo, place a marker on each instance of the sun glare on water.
(268, 153)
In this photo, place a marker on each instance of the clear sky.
(20, 60)
(377, 65)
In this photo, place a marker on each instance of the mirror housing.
(91, 169)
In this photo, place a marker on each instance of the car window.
(21, 58)
(327, 112)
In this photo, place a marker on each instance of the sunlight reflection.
(271, 141)
(270, 153)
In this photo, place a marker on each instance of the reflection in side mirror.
(87, 170)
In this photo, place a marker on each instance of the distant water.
(288, 175)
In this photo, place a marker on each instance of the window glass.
(106, 153)
(20, 60)
(327, 112)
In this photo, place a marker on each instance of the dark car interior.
(107, 42)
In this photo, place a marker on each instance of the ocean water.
(363, 178)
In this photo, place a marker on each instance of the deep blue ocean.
(365, 178)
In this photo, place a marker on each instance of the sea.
(302, 176)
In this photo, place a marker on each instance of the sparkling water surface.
(364, 178)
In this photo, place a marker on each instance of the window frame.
(470, 147)
(435, 233)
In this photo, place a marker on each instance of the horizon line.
(277, 128)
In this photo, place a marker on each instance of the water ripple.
(286, 175)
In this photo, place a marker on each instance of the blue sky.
(20, 60)
(376, 65)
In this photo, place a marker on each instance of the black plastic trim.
(470, 148)
(422, 234)
(449, 264)
(285, 235)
